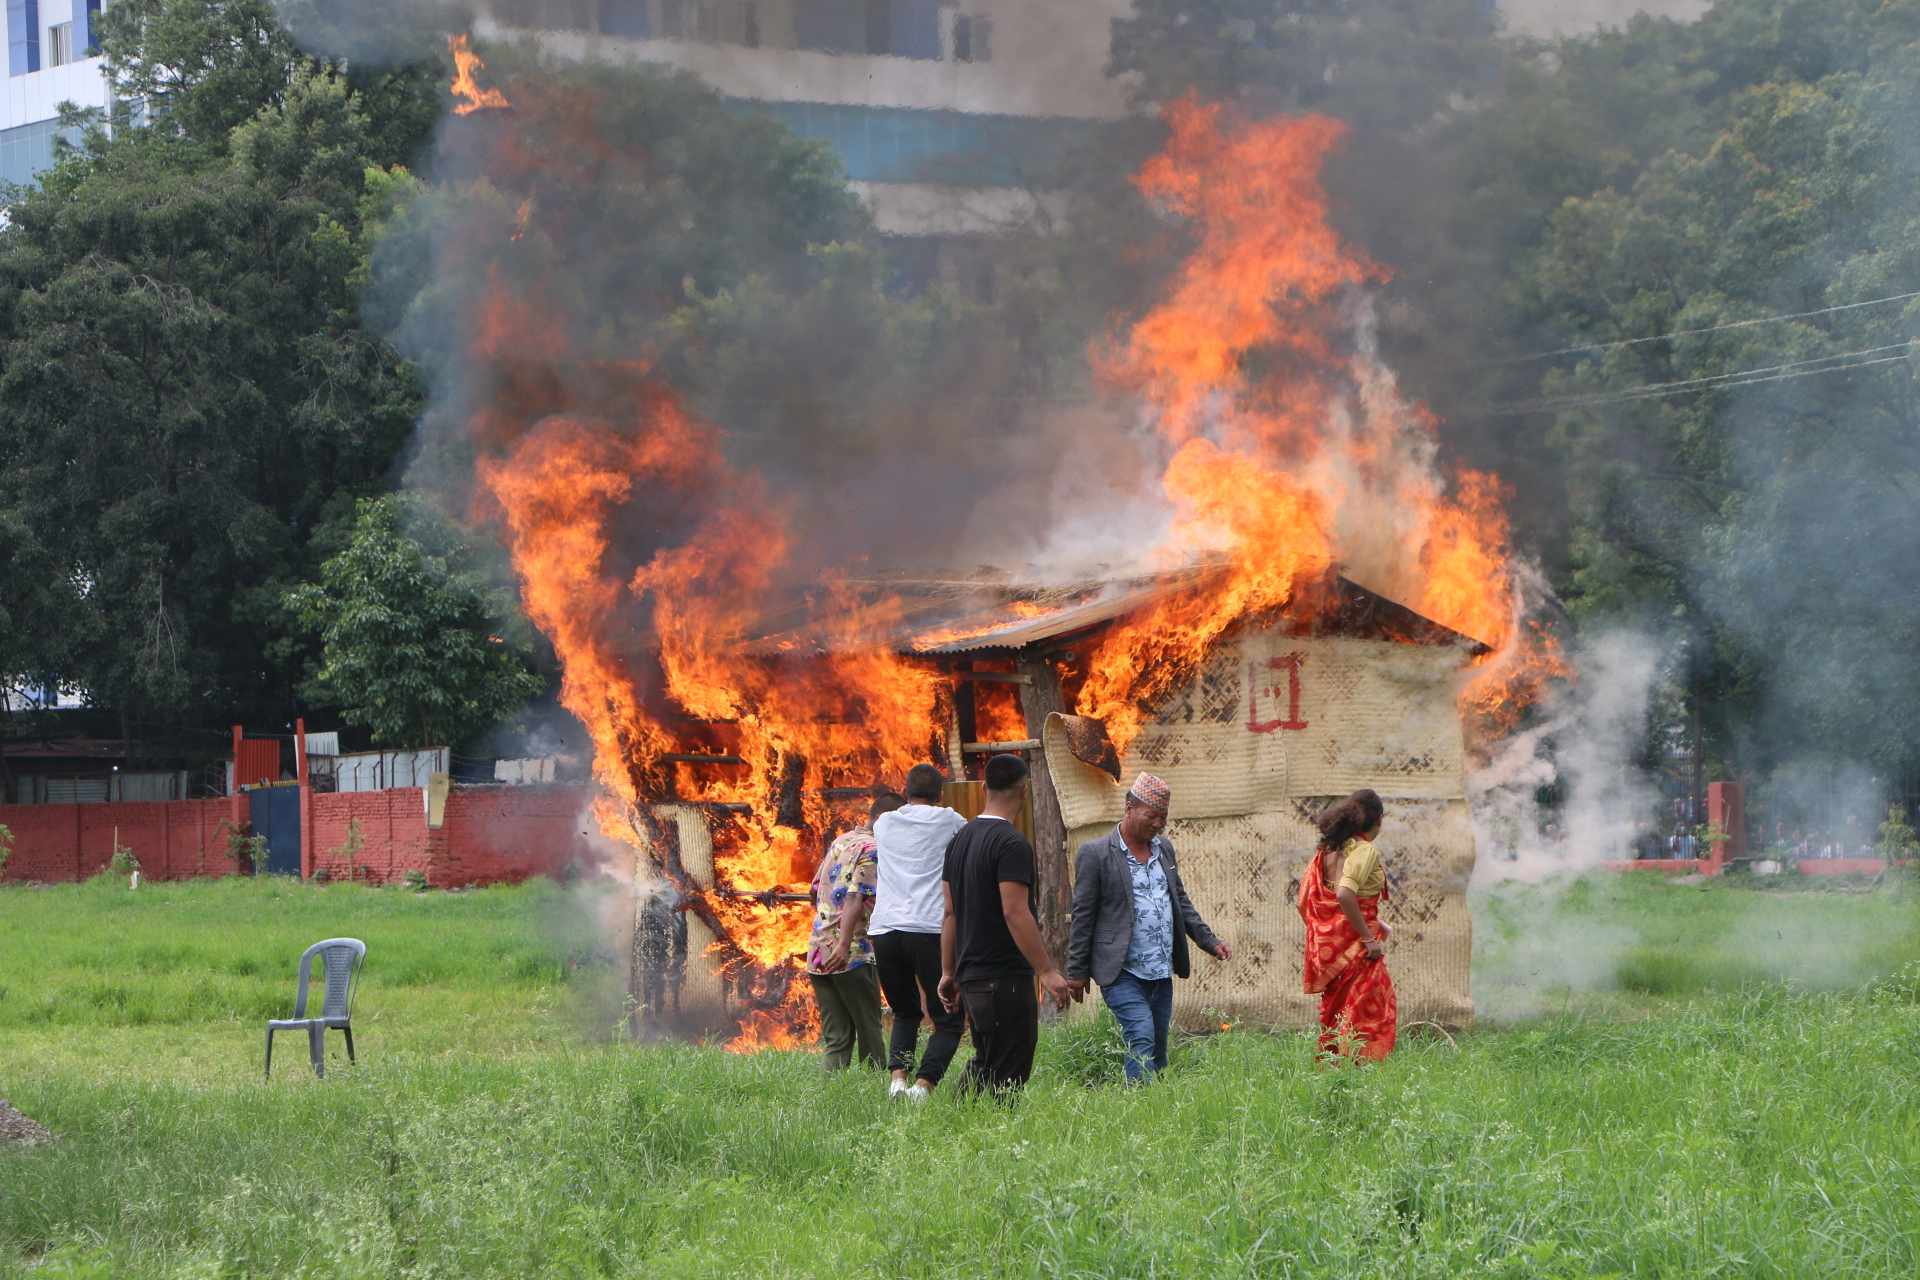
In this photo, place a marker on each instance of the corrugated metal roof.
(1107, 603)
(987, 624)
(962, 614)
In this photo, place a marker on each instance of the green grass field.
(1730, 1086)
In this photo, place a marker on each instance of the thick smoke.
(1571, 17)
(1587, 751)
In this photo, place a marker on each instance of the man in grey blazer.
(1131, 922)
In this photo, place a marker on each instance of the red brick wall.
(490, 835)
(73, 841)
(393, 833)
(494, 834)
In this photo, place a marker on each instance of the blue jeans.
(1144, 1010)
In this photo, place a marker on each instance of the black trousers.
(909, 965)
(1005, 1013)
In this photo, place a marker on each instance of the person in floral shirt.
(846, 985)
(1131, 922)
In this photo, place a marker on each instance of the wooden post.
(237, 802)
(965, 717)
(305, 801)
(1039, 698)
(1726, 812)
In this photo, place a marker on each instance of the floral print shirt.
(848, 873)
(1150, 950)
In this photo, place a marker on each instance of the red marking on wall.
(1290, 663)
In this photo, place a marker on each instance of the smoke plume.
(1587, 751)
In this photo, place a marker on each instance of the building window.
(898, 28)
(913, 29)
(28, 149)
(953, 148)
(628, 18)
(86, 29)
(60, 44)
(972, 38)
(23, 36)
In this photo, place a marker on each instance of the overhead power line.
(1712, 328)
(1839, 362)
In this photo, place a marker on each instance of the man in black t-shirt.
(990, 945)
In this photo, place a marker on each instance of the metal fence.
(377, 770)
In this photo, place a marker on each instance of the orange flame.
(657, 650)
(843, 717)
(469, 96)
(1284, 470)
(997, 714)
(1274, 472)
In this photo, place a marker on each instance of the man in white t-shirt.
(912, 847)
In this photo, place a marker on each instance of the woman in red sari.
(1340, 898)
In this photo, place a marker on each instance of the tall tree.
(1761, 492)
(186, 392)
(203, 67)
(412, 632)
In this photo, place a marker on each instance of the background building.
(52, 58)
(950, 116)
(946, 113)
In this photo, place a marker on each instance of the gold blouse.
(1360, 869)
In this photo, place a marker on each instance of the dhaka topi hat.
(1152, 791)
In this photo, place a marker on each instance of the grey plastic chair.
(340, 958)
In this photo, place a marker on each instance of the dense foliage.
(409, 629)
(1770, 514)
(187, 397)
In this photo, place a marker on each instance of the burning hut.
(1345, 689)
(1283, 714)
(655, 549)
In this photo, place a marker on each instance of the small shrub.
(6, 848)
(348, 850)
(1708, 837)
(123, 862)
(416, 880)
(1902, 986)
(1897, 841)
(246, 848)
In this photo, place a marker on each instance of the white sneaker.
(896, 1088)
(917, 1094)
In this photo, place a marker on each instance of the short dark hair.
(924, 782)
(1005, 772)
(1343, 820)
(885, 801)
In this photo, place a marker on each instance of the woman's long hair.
(1342, 820)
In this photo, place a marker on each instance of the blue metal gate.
(275, 814)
